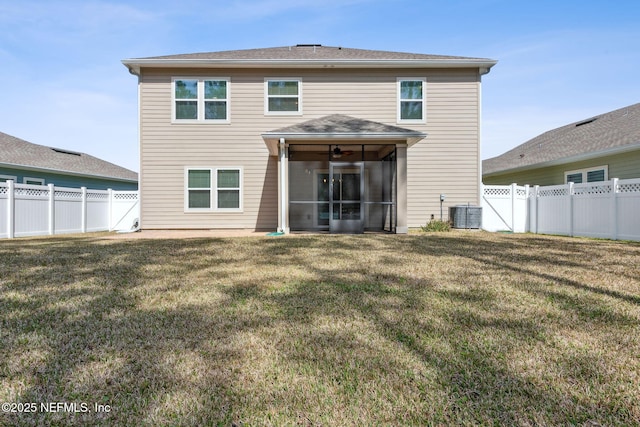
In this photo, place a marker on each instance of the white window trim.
(213, 189)
(28, 178)
(266, 96)
(399, 100)
(200, 100)
(10, 178)
(584, 172)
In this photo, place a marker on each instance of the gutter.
(346, 135)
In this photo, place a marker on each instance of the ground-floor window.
(213, 189)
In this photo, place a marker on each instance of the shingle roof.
(317, 52)
(343, 127)
(307, 56)
(341, 124)
(18, 152)
(607, 132)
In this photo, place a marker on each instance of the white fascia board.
(346, 135)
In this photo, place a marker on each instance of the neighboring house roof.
(610, 133)
(341, 127)
(308, 56)
(20, 154)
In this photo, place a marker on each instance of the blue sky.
(64, 85)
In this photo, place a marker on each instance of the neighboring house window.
(599, 173)
(201, 100)
(213, 189)
(283, 96)
(33, 181)
(5, 178)
(411, 100)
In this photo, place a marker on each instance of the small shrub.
(436, 225)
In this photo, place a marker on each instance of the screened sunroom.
(342, 188)
(342, 175)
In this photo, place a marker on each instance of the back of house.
(307, 137)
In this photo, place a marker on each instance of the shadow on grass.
(332, 330)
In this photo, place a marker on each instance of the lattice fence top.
(35, 192)
(125, 196)
(490, 191)
(61, 194)
(553, 192)
(592, 189)
(97, 196)
(4, 190)
(521, 192)
(629, 188)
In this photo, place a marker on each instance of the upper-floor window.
(411, 100)
(201, 100)
(598, 173)
(283, 96)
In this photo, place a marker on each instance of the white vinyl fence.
(608, 209)
(37, 210)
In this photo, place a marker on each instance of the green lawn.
(456, 328)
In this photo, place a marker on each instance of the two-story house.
(307, 137)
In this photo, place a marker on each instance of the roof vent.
(586, 122)
(72, 153)
(308, 45)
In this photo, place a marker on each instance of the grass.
(463, 328)
(436, 225)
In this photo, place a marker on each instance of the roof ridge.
(314, 48)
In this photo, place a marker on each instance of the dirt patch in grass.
(455, 328)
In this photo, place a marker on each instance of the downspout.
(283, 202)
(480, 183)
(140, 169)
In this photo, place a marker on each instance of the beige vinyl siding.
(623, 166)
(445, 162)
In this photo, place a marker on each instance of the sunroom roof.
(343, 128)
